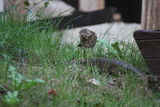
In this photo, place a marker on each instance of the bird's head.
(86, 32)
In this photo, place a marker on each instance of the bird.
(88, 38)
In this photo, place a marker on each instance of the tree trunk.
(151, 15)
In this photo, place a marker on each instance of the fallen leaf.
(54, 92)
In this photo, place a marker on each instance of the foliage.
(12, 98)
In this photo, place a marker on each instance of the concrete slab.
(109, 31)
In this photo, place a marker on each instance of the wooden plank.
(146, 35)
(154, 66)
(149, 48)
(79, 19)
(149, 45)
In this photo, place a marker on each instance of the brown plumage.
(87, 38)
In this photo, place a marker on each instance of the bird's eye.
(93, 33)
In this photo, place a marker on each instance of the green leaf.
(46, 4)
(116, 46)
(12, 97)
(17, 78)
(30, 83)
(107, 45)
(2, 43)
(39, 81)
(11, 68)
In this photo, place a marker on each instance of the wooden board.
(79, 19)
(146, 35)
(149, 45)
(149, 48)
(154, 65)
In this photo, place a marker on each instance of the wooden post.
(91, 5)
(151, 15)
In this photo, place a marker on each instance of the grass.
(32, 62)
